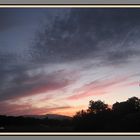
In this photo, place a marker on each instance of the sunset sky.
(55, 60)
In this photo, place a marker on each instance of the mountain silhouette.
(49, 116)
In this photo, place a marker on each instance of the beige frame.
(70, 6)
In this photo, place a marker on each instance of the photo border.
(69, 6)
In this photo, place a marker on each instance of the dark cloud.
(89, 33)
(22, 85)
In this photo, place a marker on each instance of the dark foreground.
(122, 117)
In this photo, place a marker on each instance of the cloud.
(7, 108)
(23, 85)
(104, 34)
(27, 109)
(69, 43)
(97, 87)
(134, 83)
(85, 95)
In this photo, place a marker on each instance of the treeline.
(121, 117)
(31, 124)
(99, 117)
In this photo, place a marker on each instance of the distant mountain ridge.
(50, 116)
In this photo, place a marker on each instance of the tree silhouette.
(122, 117)
(129, 106)
(81, 114)
(134, 102)
(97, 106)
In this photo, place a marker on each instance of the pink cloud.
(10, 109)
(46, 87)
(84, 95)
(96, 88)
(135, 83)
(38, 85)
(27, 109)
